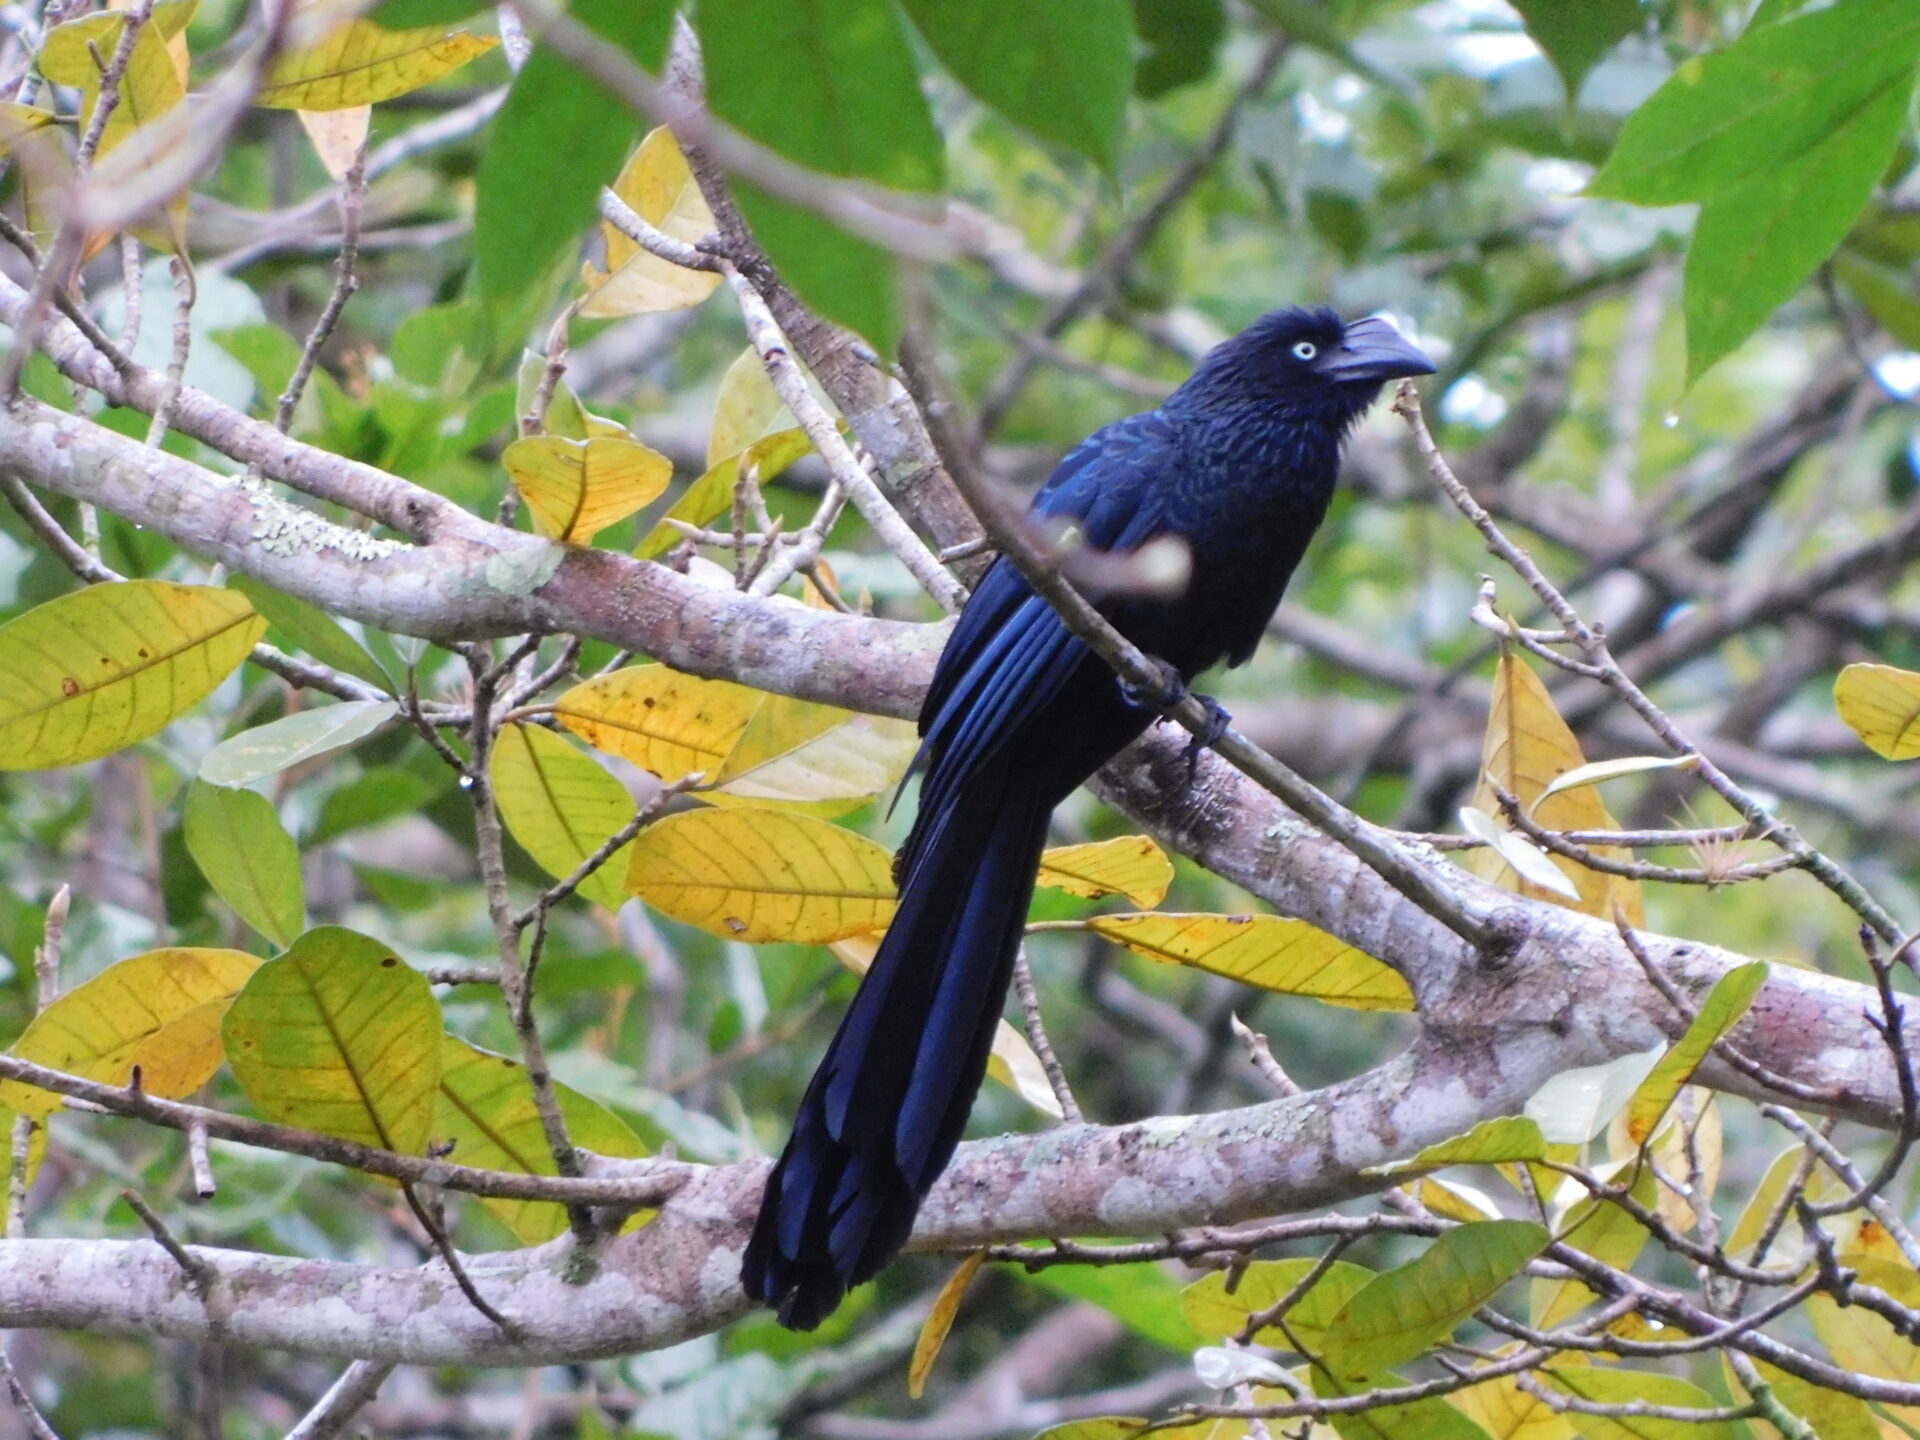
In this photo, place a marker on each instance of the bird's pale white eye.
(1305, 350)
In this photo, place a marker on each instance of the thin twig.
(346, 280)
(345, 1398)
(186, 290)
(199, 1274)
(1023, 986)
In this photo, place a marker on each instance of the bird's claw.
(1217, 724)
(1161, 698)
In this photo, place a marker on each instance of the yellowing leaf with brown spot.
(797, 752)
(561, 806)
(576, 488)
(160, 1011)
(342, 1036)
(1012, 1060)
(1882, 704)
(362, 63)
(657, 183)
(98, 670)
(933, 1334)
(1290, 957)
(663, 721)
(763, 875)
(1528, 747)
(1130, 865)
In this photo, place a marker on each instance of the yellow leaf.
(657, 183)
(1506, 1412)
(17, 122)
(747, 409)
(362, 63)
(77, 53)
(1528, 747)
(763, 875)
(485, 1108)
(1287, 956)
(576, 488)
(663, 721)
(337, 136)
(342, 1036)
(933, 1334)
(561, 806)
(1011, 1061)
(1131, 865)
(711, 496)
(160, 1011)
(1788, 1245)
(798, 752)
(1861, 1340)
(95, 671)
(1882, 704)
(1454, 1201)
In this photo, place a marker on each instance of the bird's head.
(1307, 360)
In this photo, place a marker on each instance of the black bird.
(1240, 464)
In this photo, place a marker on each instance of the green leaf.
(103, 668)
(1777, 95)
(1886, 290)
(1420, 1420)
(306, 627)
(1627, 1387)
(1214, 1310)
(1576, 36)
(405, 14)
(828, 83)
(1141, 1297)
(267, 749)
(840, 275)
(342, 1036)
(237, 840)
(1719, 1013)
(556, 142)
(1399, 1314)
(1498, 1141)
(1833, 1414)
(1182, 40)
(485, 1107)
(1061, 71)
(360, 63)
(1752, 247)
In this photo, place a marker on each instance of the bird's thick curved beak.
(1371, 349)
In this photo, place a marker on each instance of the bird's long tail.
(885, 1109)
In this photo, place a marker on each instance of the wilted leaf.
(1130, 865)
(1528, 747)
(1492, 1142)
(342, 1036)
(160, 1011)
(1214, 1310)
(1011, 1061)
(762, 875)
(237, 840)
(1719, 1013)
(337, 136)
(1575, 1105)
(1533, 865)
(485, 1107)
(361, 63)
(95, 671)
(1647, 1387)
(1400, 1313)
(799, 752)
(933, 1333)
(1882, 704)
(268, 749)
(663, 721)
(1290, 957)
(561, 806)
(658, 184)
(576, 488)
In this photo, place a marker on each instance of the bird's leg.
(1167, 693)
